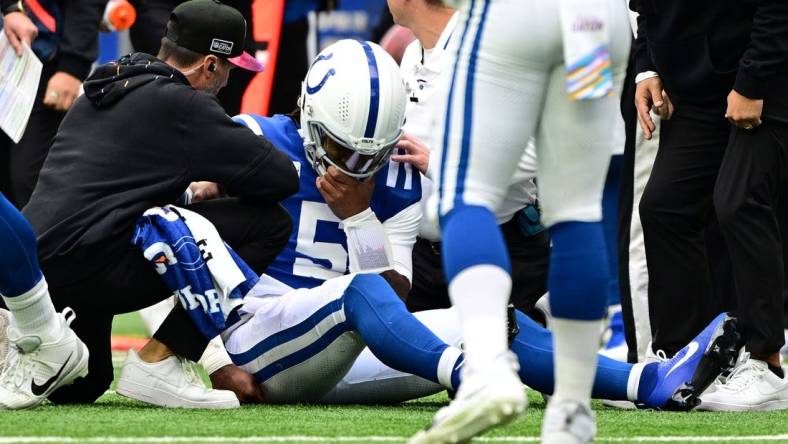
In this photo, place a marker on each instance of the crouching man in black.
(145, 130)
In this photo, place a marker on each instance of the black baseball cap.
(211, 27)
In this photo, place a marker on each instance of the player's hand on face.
(238, 381)
(650, 95)
(62, 90)
(19, 28)
(345, 195)
(416, 153)
(204, 191)
(744, 112)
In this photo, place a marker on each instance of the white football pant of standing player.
(512, 81)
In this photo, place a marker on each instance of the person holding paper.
(65, 39)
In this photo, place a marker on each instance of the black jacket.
(704, 48)
(67, 32)
(137, 138)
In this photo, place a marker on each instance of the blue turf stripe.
(447, 123)
(287, 335)
(302, 355)
(467, 130)
(374, 88)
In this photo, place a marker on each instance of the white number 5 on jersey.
(311, 213)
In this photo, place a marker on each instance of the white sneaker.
(34, 370)
(486, 398)
(751, 386)
(170, 383)
(568, 422)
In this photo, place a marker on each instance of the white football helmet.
(354, 95)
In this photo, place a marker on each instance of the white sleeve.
(401, 230)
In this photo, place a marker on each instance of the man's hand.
(649, 94)
(239, 382)
(61, 92)
(19, 29)
(204, 191)
(417, 153)
(744, 112)
(345, 195)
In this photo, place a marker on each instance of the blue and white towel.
(208, 277)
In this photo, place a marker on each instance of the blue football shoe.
(682, 379)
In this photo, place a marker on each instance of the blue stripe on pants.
(287, 335)
(302, 355)
(467, 127)
(449, 104)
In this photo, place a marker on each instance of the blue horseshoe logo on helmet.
(331, 72)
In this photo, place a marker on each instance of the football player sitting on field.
(337, 286)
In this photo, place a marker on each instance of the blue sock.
(392, 333)
(610, 222)
(534, 349)
(19, 270)
(470, 236)
(648, 379)
(578, 276)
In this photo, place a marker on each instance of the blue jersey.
(317, 248)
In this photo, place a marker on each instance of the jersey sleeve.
(401, 230)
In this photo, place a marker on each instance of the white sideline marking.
(356, 439)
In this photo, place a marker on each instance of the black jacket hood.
(112, 81)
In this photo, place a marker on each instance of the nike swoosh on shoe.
(39, 390)
(693, 348)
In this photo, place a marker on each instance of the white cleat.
(568, 422)
(750, 386)
(33, 370)
(170, 383)
(5, 343)
(486, 398)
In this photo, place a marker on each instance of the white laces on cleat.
(18, 367)
(744, 375)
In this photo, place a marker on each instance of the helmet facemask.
(359, 159)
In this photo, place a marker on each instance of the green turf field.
(117, 420)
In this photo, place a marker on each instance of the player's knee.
(370, 285)
(370, 290)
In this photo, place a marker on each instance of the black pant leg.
(27, 157)
(747, 197)
(529, 256)
(626, 207)
(5, 166)
(94, 329)
(428, 288)
(675, 210)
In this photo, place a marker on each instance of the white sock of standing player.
(480, 294)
